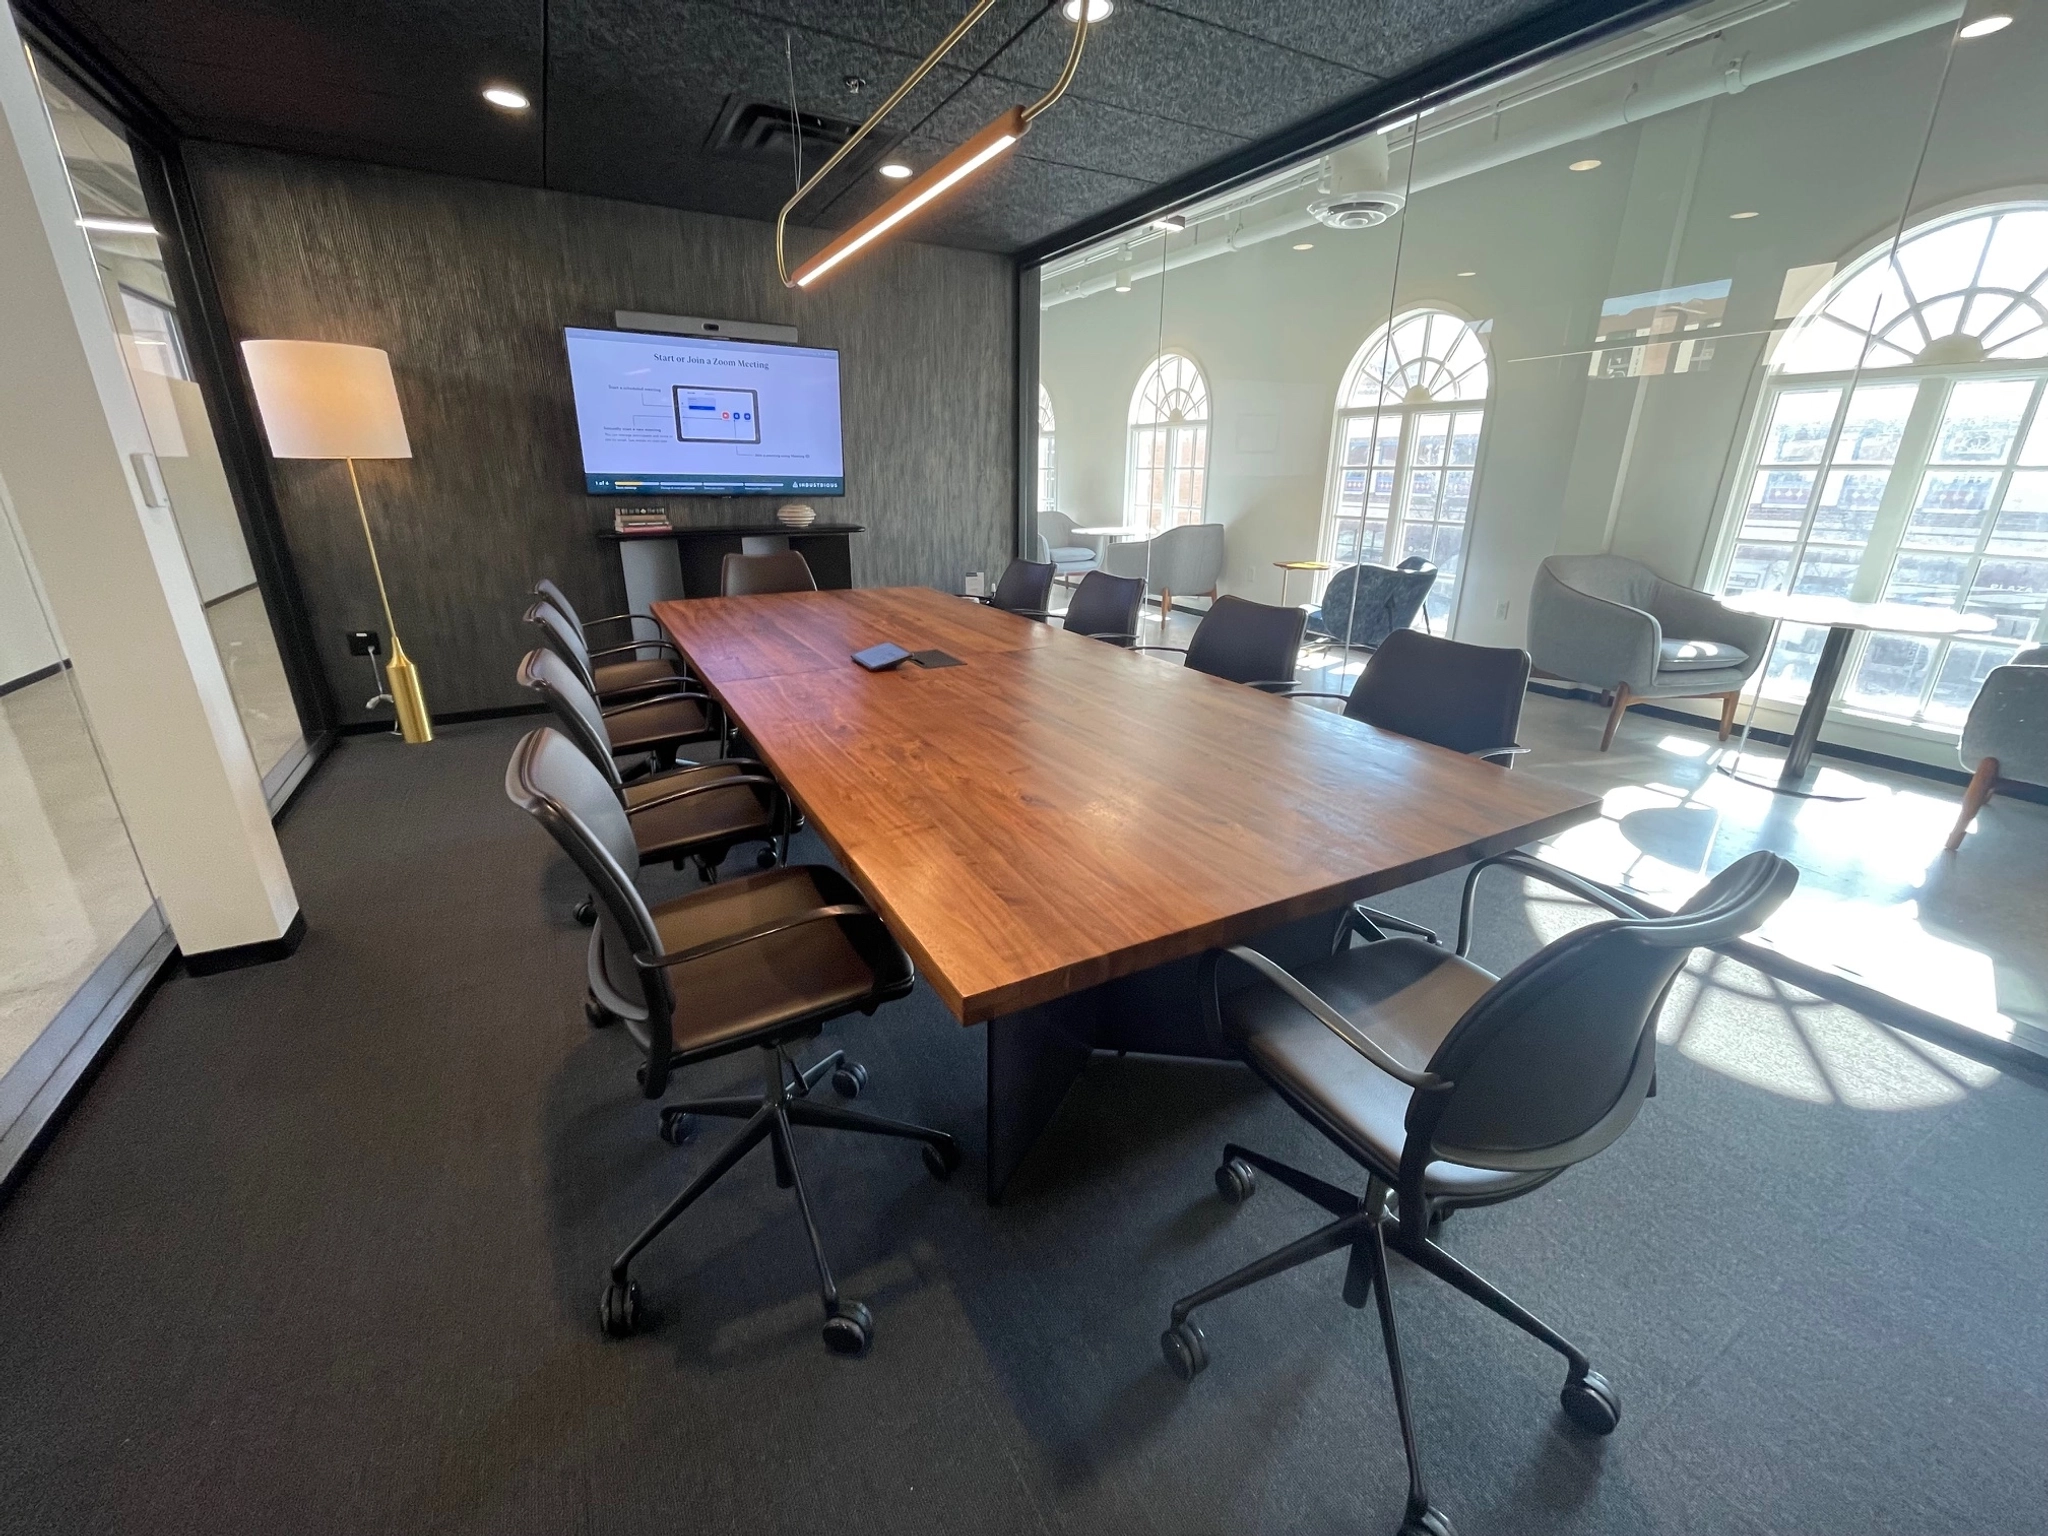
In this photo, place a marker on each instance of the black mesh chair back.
(1026, 587)
(575, 708)
(1106, 607)
(1363, 604)
(562, 637)
(1247, 642)
(1554, 1061)
(752, 575)
(1465, 697)
(552, 780)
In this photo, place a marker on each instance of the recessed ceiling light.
(1306, 245)
(504, 96)
(1747, 213)
(1984, 26)
(1098, 10)
(118, 226)
(895, 170)
(1468, 274)
(1584, 165)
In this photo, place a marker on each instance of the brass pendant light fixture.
(920, 193)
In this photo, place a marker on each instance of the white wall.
(26, 644)
(1826, 157)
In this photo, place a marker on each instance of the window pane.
(1875, 423)
(1422, 489)
(1458, 496)
(1799, 427)
(1962, 673)
(2036, 451)
(1777, 504)
(1892, 675)
(1982, 419)
(1848, 505)
(1758, 568)
(1358, 439)
(1933, 580)
(1828, 572)
(2023, 525)
(1793, 661)
(1465, 438)
(1373, 543)
(1381, 502)
(1432, 437)
(1351, 490)
(2011, 591)
(1951, 510)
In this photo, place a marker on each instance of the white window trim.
(1132, 513)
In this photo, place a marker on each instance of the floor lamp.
(328, 400)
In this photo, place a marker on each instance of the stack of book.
(641, 520)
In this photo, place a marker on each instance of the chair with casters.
(1106, 608)
(654, 719)
(1025, 588)
(761, 963)
(1450, 1087)
(1616, 625)
(1467, 698)
(1363, 604)
(1188, 560)
(2005, 737)
(754, 575)
(695, 811)
(1240, 641)
(616, 671)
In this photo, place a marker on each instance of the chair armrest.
(1282, 686)
(635, 649)
(1305, 693)
(1121, 641)
(1178, 650)
(1493, 752)
(705, 788)
(667, 696)
(1621, 904)
(1694, 615)
(623, 618)
(1589, 639)
(648, 962)
(1334, 1021)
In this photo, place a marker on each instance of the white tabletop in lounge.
(1841, 613)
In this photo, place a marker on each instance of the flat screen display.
(683, 416)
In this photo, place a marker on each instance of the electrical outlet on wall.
(1500, 609)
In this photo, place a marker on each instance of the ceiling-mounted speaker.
(1356, 210)
(1353, 193)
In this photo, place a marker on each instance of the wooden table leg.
(1814, 714)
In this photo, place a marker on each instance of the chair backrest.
(1247, 642)
(1188, 558)
(752, 575)
(1465, 697)
(1363, 604)
(551, 780)
(576, 708)
(1025, 587)
(1553, 1062)
(564, 638)
(548, 592)
(1106, 607)
(1057, 529)
(1616, 578)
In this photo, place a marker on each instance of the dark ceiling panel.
(627, 92)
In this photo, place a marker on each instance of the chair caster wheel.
(618, 1311)
(765, 859)
(1431, 1522)
(1185, 1349)
(942, 1160)
(1592, 1403)
(1236, 1181)
(678, 1126)
(596, 1014)
(848, 1078)
(850, 1329)
(585, 912)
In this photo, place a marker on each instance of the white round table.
(1841, 617)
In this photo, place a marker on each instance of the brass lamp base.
(414, 723)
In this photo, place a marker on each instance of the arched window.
(1168, 483)
(1901, 452)
(1048, 476)
(1407, 449)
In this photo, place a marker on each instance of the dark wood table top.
(1056, 812)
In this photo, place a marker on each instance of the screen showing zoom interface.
(679, 415)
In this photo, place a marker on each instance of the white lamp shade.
(327, 400)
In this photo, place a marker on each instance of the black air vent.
(764, 130)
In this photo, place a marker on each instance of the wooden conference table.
(1056, 829)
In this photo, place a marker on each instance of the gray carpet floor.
(320, 1250)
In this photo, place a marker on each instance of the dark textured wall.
(468, 284)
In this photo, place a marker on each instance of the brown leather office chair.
(699, 811)
(1450, 1087)
(654, 717)
(761, 963)
(616, 672)
(1240, 641)
(752, 575)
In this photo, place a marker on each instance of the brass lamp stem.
(414, 723)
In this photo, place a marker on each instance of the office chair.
(653, 718)
(1451, 1088)
(750, 575)
(1464, 697)
(699, 811)
(1244, 642)
(1106, 608)
(611, 680)
(1025, 588)
(759, 963)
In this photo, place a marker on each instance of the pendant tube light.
(984, 147)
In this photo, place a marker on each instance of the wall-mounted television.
(685, 416)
